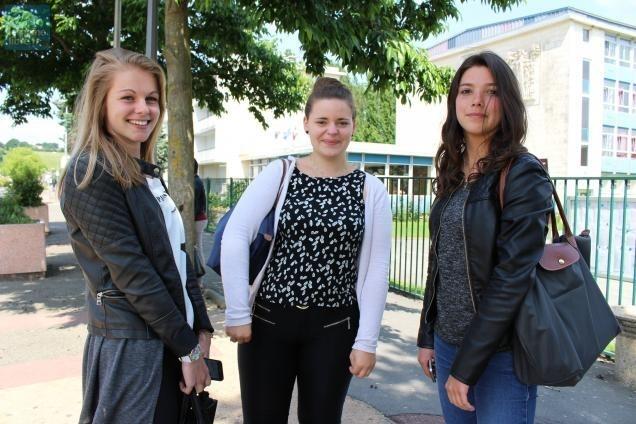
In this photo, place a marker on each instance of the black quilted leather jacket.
(502, 251)
(133, 284)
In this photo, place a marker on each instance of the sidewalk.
(42, 331)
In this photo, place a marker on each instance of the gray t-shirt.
(454, 304)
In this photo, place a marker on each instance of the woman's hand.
(205, 339)
(424, 356)
(195, 376)
(239, 333)
(458, 394)
(362, 363)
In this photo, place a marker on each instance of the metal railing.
(606, 206)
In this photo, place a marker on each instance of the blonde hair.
(89, 135)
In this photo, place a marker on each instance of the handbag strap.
(282, 180)
(503, 176)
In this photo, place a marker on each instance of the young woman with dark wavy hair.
(482, 257)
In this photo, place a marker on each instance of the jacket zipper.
(470, 286)
(347, 319)
(434, 247)
(105, 294)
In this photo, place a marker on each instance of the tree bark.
(180, 127)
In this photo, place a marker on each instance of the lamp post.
(151, 30)
(117, 29)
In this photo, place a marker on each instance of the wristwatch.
(194, 355)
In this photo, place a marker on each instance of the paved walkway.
(42, 331)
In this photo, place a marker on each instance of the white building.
(577, 72)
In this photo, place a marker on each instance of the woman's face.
(330, 126)
(477, 104)
(132, 108)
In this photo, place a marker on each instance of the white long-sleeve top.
(373, 262)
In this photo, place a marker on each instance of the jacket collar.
(149, 168)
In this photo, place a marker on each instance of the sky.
(473, 14)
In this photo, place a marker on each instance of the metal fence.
(605, 206)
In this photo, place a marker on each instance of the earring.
(306, 131)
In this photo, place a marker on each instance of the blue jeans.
(498, 397)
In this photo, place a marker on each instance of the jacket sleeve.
(376, 283)
(520, 243)
(240, 230)
(101, 213)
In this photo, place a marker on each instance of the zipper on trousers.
(347, 320)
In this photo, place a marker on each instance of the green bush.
(11, 212)
(25, 169)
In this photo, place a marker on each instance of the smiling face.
(330, 126)
(132, 108)
(477, 105)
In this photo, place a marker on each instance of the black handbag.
(564, 322)
(197, 409)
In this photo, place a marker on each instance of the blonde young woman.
(148, 329)
(313, 314)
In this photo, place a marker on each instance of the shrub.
(11, 212)
(25, 169)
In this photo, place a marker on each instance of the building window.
(624, 53)
(623, 97)
(420, 182)
(609, 94)
(256, 166)
(375, 169)
(633, 143)
(584, 155)
(610, 49)
(586, 77)
(586, 35)
(206, 141)
(634, 98)
(622, 138)
(585, 119)
(608, 141)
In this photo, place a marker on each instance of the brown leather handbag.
(564, 322)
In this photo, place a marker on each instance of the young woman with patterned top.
(145, 309)
(313, 314)
(482, 258)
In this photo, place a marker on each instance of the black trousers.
(310, 346)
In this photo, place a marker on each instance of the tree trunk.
(180, 129)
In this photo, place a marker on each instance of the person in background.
(200, 213)
(148, 329)
(312, 316)
(482, 259)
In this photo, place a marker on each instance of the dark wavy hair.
(505, 144)
(330, 88)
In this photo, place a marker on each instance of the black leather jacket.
(133, 285)
(502, 251)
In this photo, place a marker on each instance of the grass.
(50, 159)
(410, 228)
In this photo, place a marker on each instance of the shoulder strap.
(503, 175)
(555, 234)
(282, 180)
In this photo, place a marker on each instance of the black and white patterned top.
(320, 229)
